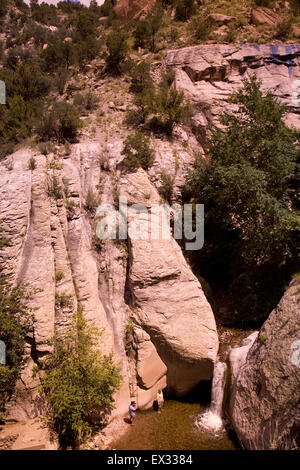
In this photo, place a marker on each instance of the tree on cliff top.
(248, 188)
(79, 382)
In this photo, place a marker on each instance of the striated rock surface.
(264, 405)
(209, 73)
(237, 356)
(133, 8)
(265, 16)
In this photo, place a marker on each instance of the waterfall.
(212, 418)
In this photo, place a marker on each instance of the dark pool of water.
(172, 429)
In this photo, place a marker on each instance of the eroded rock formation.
(174, 339)
(53, 250)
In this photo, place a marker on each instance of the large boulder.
(168, 300)
(264, 405)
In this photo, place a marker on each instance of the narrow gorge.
(159, 315)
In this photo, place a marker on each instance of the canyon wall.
(141, 286)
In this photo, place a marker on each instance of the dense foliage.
(137, 151)
(78, 382)
(166, 105)
(248, 186)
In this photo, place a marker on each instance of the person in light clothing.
(132, 412)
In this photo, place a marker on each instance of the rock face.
(237, 356)
(170, 304)
(133, 8)
(218, 18)
(265, 16)
(209, 73)
(53, 250)
(264, 405)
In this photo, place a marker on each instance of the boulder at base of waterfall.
(264, 405)
(218, 18)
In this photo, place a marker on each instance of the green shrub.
(63, 300)
(45, 148)
(185, 9)
(174, 34)
(3, 8)
(6, 148)
(44, 13)
(263, 338)
(55, 189)
(59, 275)
(85, 102)
(138, 152)
(27, 81)
(107, 8)
(91, 202)
(16, 119)
(169, 108)
(59, 54)
(60, 80)
(140, 78)
(166, 188)
(144, 105)
(155, 19)
(142, 34)
(284, 29)
(79, 383)
(265, 3)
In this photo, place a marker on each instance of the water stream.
(191, 423)
(212, 418)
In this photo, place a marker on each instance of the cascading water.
(212, 418)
